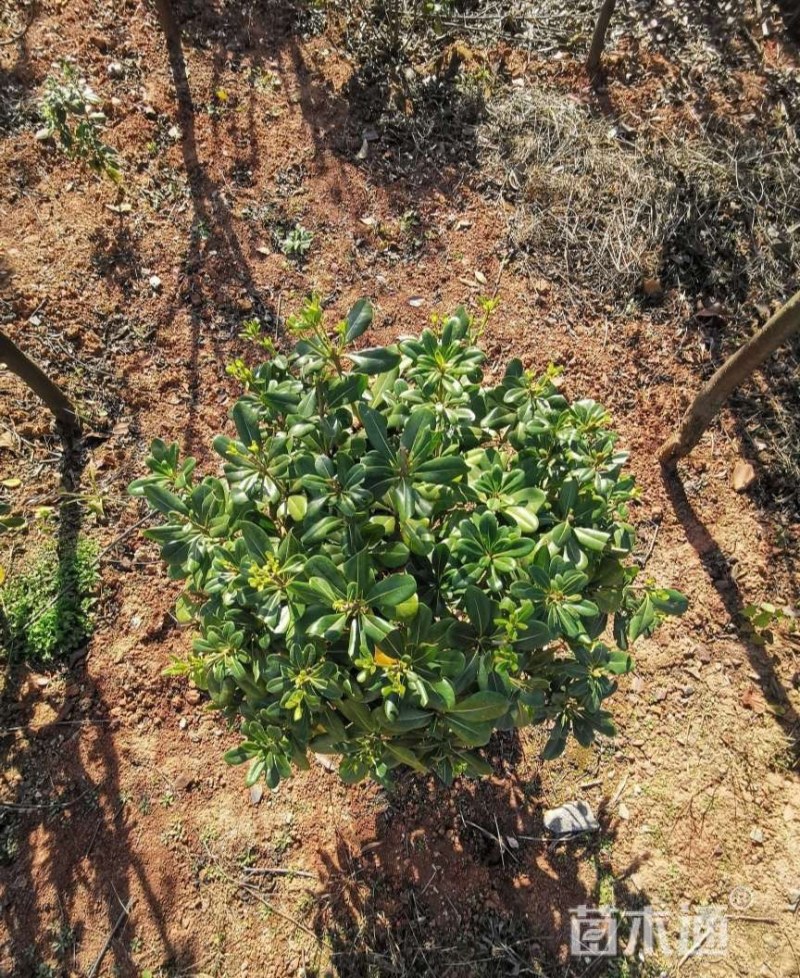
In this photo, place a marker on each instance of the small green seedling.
(69, 109)
(761, 620)
(297, 242)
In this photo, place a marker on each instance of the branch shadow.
(210, 212)
(65, 834)
(766, 415)
(675, 27)
(719, 569)
(435, 894)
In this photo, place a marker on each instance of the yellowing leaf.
(2, 574)
(11, 483)
(221, 94)
(382, 659)
(407, 609)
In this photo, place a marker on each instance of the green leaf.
(479, 608)
(352, 770)
(392, 590)
(407, 609)
(642, 619)
(619, 663)
(442, 470)
(256, 541)
(237, 755)
(406, 720)
(590, 538)
(245, 418)
(374, 361)
(375, 427)
(256, 771)
(347, 390)
(670, 602)
(480, 707)
(406, 756)
(445, 690)
(476, 766)
(321, 530)
(523, 517)
(359, 320)
(164, 501)
(468, 731)
(556, 742)
(420, 423)
(297, 506)
(357, 713)
(567, 496)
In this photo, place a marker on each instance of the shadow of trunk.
(718, 567)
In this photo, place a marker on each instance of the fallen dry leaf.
(752, 699)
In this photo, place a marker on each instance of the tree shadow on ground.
(720, 26)
(790, 12)
(464, 882)
(720, 569)
(765, 412)
(767, 419)
(65, 830)
(261, 38)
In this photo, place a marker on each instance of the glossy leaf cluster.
(400, 558)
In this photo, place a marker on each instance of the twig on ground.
(254, 891)
(48, 726)
(648, 555)
(694, 949)
(52, 806)
(495, 838)
(99, 959)
(277, 871)
(618, 793)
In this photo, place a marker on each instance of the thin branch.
(99, 959)
(277, 871)
(52, 805)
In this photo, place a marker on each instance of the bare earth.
(117, 792)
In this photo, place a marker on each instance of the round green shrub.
(401, 558)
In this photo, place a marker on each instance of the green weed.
(46, 612)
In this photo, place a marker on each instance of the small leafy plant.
(69, 109)
(48, 608)
(297, 242)
(8, 523)
(762, 619)
(400, 558)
